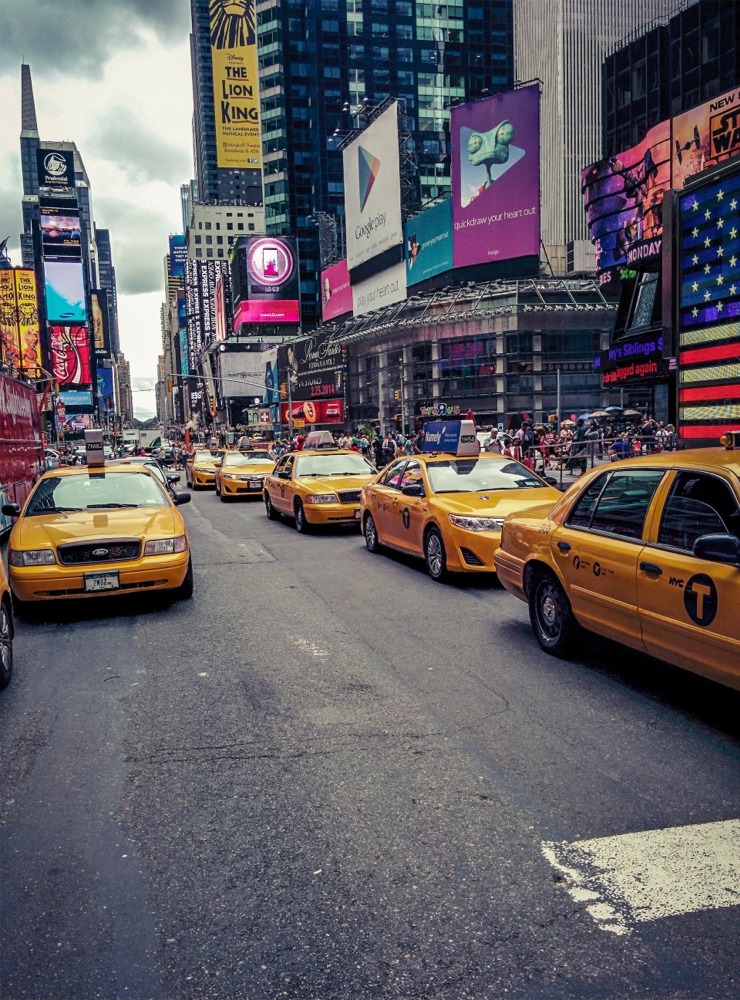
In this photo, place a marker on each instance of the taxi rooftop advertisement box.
(455, 436)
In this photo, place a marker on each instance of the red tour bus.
(21, 444)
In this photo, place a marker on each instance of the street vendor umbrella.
(599, 415)
(632, 414)
(614, 411)
(567, 423)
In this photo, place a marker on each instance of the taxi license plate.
(357, 513)
(255, 484)
(101, 581)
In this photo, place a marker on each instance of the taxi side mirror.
(180, 498)
(414, 490)
(173, 477)
(11, 509)
(716, 548)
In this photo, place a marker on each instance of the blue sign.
(442, 436)
(76, 397)
(429, 243)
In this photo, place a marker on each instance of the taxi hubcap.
(434, 551)
(549, 611)
(5, 647)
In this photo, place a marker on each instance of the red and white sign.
(315, 411)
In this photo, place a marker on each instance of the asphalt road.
(328, 777)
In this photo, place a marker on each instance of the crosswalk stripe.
(635, 877)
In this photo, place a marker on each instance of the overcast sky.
(113, 76)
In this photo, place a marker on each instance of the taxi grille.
(349, 496)
(99, 552)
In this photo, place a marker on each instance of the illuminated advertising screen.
(106, 399)
(372, 190)
(178, 255)
(315, 366)
(236, 98)
(264, 281)
(75, 398)
(709, 310)
(184, 367)
(428, 239)
(320, 411)
(336, 293)
(55, 168)
(69, 350)
(623, 198)
(706, 135)
(496, 177)
(65, 292)
(382, 289)
(99, 312)
(61, 236)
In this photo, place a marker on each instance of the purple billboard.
(496, 177)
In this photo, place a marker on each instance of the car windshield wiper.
(53, 510)
(97, 506)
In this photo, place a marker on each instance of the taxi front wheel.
(269, 509)
(551, 615)
(435, 555)
(301, 523)
(371, 534)
(6, 644)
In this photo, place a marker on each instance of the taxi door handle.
(649, 567)
(564, 546)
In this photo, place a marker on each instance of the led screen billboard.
(69, 350)
(320, 411)
(178, 255)
(315, 366)
(336, 293)
(55, 168)
(496, 177)
(623, 198)
(233, 27)
(61, 236)
(264, 280)
(99, 312)
(65, 292)
(429, 243)
(372, 190)
(704, 136)
(106, 399)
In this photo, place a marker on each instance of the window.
(616, 502)
(697, 505)
(392, 476)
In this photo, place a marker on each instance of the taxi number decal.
(406, 515)
(700, 599)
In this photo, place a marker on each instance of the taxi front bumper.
(331, 513)
(470, 551)
(48, 583)
(510, 571)
(204, 477)
(243, 486)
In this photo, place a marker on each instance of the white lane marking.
(312, 648)
(635, 877)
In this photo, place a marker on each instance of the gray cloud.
(142, 383)
(79, 36)
(136, 244)
(142, 154)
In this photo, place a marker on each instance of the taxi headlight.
(201, 468)
(32, 557)
(165, 546)
(322, 498)
(477, 523)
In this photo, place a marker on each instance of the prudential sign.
(372, 184)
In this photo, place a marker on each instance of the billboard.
(200, 287)
(69, 350)
(315, 366)
(320, 411)
(184, 367)
(496, 177)
(19, 321)
(106, 398)
(233, 27)
(99, 311)
(55, 168)
(623, 198)
(251, 374)
(704, 136)
(264, 281)
(428, 239)
(380, 290)
(336, 294)
(178, 255)
(73, 398)
(61, 236)
(372, 190)
(65, 292)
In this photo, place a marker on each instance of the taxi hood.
(500, 503)
(41, 530)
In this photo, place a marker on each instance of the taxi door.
(383, 498)
(408, 514)
(598, 547)
(689, 606)
(281, 491)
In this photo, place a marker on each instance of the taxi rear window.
(616, 502)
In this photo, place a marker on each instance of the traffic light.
(397, 394)
(169, 385)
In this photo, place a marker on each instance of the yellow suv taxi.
(319, 485)
(645, 552)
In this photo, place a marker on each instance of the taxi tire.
(272, 514)
(370, 531)
(185, 591)
(553, 622)
(6, 643)
(301, 524)
(25, 611)
(435, 556)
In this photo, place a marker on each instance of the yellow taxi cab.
(242, 473)
(646, 552)
(6, 629)
(100, 530)
(200, 467)
(318, 485)
(447, 504)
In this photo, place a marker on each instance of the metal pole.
(290, 406)
(557, 400)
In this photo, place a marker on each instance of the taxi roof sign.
(456, 437)
(94, 447)
(317, 440)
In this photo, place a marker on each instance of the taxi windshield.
(350, 464)
(208, 456)
(95, 491)
(248, 458)
(473, 475)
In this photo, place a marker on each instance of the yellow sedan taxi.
(319, 485)
(448, 506)
(242, 473)
(200, 467)
(6, 629)
(97, 531)
(645, 552)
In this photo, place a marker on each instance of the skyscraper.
(563, 43)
